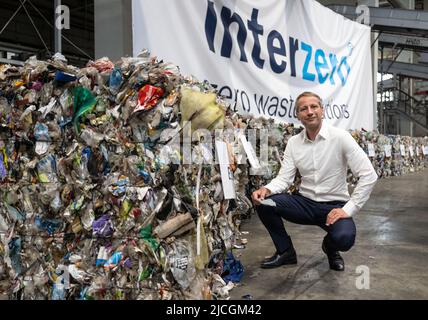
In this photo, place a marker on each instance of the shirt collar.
(323, 132)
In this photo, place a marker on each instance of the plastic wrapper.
(201, 110)
(64, 77)
(182, 263)
(148, 97)
(103, 227)
(115, 80)
(84, 101)
(102, 64)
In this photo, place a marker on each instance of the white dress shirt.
(323, 165)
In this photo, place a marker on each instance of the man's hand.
(259, 195)
(335, 215)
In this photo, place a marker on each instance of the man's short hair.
(308, 94)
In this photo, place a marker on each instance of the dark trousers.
(298, 209)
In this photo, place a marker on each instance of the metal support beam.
(386, 85)
(406, 69)
(11, 61)
(381, 104)
(113, 28)
(392, 20)
(57, 31)
(396, 4)
(400, 41)
(412, 119)
(374, 58)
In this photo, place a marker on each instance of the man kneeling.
(322, 154)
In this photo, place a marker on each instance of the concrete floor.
(392, 241)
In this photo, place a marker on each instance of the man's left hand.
(335, 215)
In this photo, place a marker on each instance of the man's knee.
(343, 241)
(263, 210)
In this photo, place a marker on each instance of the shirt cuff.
(350, 208)
(271, 188)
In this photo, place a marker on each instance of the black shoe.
(335, 261)
(277, 260)
(269, 259)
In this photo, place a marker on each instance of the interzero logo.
(281, 53)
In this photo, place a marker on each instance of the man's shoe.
(277, 260)
(335, 261)
(271, 258)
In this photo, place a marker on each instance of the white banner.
(262, 54)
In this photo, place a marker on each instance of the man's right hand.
(259, 195)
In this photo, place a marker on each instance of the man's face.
(310, 112)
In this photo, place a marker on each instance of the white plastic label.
(226, 173)
(402, 150)
(387, 149)
(251, 154)
(371, 150)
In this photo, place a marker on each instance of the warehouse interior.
(392, 239)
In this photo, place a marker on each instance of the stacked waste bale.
(96, 202)
(392, 155)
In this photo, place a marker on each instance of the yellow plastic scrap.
(125, 209)
(100, 120)
(203, 258)
(201, 110)
(3, 68)
(18, 83)
(3, 151)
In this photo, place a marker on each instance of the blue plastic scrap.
(15, 247)
(233, 270)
